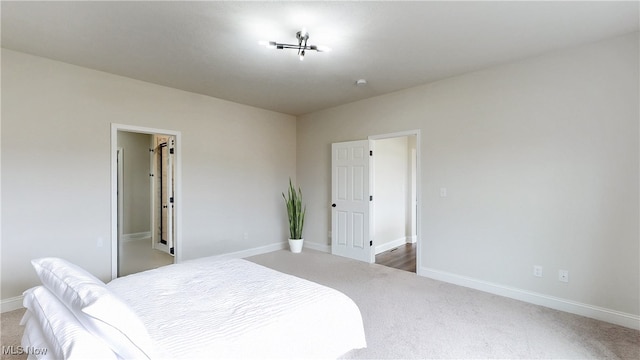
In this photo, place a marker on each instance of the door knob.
(333, 205)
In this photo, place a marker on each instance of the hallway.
(402, 257)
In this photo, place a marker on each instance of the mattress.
(233, 308)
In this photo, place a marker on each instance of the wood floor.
(402, 257)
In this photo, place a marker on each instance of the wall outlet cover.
(563, 275)
(537, 270)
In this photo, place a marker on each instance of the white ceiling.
(212, 47)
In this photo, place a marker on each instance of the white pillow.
(98, 309)
(33, 338)
(56, 333)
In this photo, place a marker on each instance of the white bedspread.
(232, 308)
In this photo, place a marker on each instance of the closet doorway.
(146, 191)
(394, 183)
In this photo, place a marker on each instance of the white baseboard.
(391, 244)
(412, 239)
(256, 251)
(11, 304)
(275, 247)
(574, 307)
(318, 247)
(136, 236)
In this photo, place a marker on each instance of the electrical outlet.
(563, 275)
(537, 270)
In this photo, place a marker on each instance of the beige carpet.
(411, 317)
(11, 334)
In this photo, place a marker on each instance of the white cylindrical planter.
(296, 245)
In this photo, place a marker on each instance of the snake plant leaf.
(296, 211)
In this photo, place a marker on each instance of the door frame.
(114, 189)
(119, 190)
(415, 133)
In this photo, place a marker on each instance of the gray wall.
(56, 191)
(136, 197)
(540, 158)
(391, 162)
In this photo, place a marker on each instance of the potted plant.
(295, 212)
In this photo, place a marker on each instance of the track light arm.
(302, 46)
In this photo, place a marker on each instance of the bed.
(204, 308)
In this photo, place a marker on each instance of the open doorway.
(361, 220)
(394, 183)
(146, 192)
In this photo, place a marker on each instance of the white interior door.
(163, 194)
(167, 194)
(351, 202)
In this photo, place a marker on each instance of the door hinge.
(370, 152)
(370, 197)
(171, 151)
(171, 251)
(171, 199)
(370, 242)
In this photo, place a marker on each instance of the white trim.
(136, 236)
(391, 244)
(114, 198)
(372, 204)
(274, 247)
(119, 186)
(11, 304)
(318, 247)
(412, 239)
(395, 135)
(574, 307)
(255, 251)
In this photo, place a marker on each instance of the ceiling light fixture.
(302, 46)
